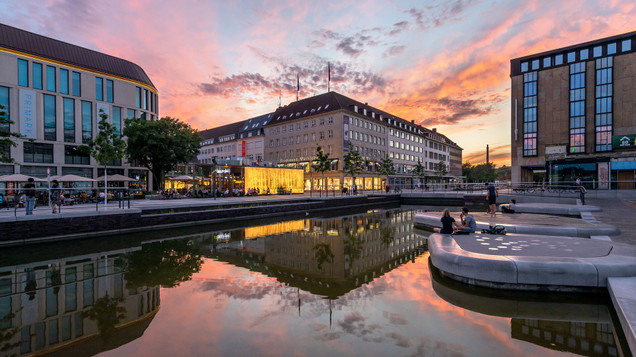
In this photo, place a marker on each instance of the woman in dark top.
(447, 223)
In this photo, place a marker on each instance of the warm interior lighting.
(272, 178)
(274, 229)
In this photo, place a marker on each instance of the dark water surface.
(356, 284)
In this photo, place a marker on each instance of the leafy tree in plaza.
(387, 167)
(419, 171)
(323, 254)
(6, 137)
(479, 173)
(353, 164)
(322, 164)
(440, 170)
(108, 146)
(160, 145)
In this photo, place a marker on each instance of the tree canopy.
(386, 166)
(107, 146)
(440, 169)
(160, 145)
(322, 164)
(353, 164)
(485, 172)
(6, 137)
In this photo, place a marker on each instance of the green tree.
(387, 167)
(440, 170)
(322, 164)
(353, 164)
(420, 172)
(165, 263)
(6, 137)
(323, 254)
(479, 173)
(107, 147)
(108, 314)
(160, 145)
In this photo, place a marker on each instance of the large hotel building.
(573, 114)
(289, 136)
(53, 92)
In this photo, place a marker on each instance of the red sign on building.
(243, 148)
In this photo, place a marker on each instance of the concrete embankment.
(74, 224)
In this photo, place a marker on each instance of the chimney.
(355, 108)
(435, 130)
(412, 121)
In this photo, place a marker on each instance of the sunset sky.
(444, 64)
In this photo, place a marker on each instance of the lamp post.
(214, 178)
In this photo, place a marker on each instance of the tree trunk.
(105, 186)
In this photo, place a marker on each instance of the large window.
(69, 120)
(72, 156)
(109, 91)
(577, 107)
(77, 84)
(38, 153)
(138, 97)
(131, 114)
(530, 114)
(117, 119)
(145, 99)
(50, 79)
(49, 117)
(603, 106)
(99, 88)
(23, 73)
(64, 81)
(4, 101)
(37, 75)
(87, 121)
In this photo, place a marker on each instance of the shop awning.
(303, 164)
(334, 161)
(623, 165)
(291, 165)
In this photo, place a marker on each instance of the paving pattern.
(520, 245)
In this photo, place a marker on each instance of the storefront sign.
(623, 141)
(222, 171)
(28, 108)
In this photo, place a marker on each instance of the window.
(99, 88)
(571, 57)
(50, 79)
(558, 60)
(305, 138)
(529, 114)
(23, 73)
(535, 65)
(313, 123)
(109, 91)
(145, 99)
(49, 117)
(64, 81)
(322, 121)
(330, 134)
(330, 121)
(37, 75)
(77, 84)
(117, 120)
(38, 152)
(69, 120)
(524, 66)
(577, 107)
(4, 101)
(626, 45)
(138, 97)
(598, 51)
(603, 117)
(87, 121)
(611, 48)
(313, 136)
(131, 114)
(322, 135)
(584, 54)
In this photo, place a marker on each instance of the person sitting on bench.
(510, 207)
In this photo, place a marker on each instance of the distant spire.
(487, 154)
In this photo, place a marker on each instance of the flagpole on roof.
(328, 77)
(297, 86)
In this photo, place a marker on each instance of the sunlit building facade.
(573, 114)
(54, 92)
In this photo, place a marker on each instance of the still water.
(357, 284)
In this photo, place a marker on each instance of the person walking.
(491, 197)
(55, 196)
(29, 192)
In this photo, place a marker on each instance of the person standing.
(55, 196)
(29, 192)
(491, 197)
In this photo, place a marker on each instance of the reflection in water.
(564, 322)
(352, 285)
(50, 306)
(327, 257)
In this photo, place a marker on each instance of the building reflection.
(64, 306)
(327, 257)
(563, 322)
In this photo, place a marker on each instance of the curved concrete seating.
(430, 221)
(553, 208)
(526, 262)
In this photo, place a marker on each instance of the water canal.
(354, 284)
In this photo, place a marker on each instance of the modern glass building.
(54, 92)
(573, 114)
